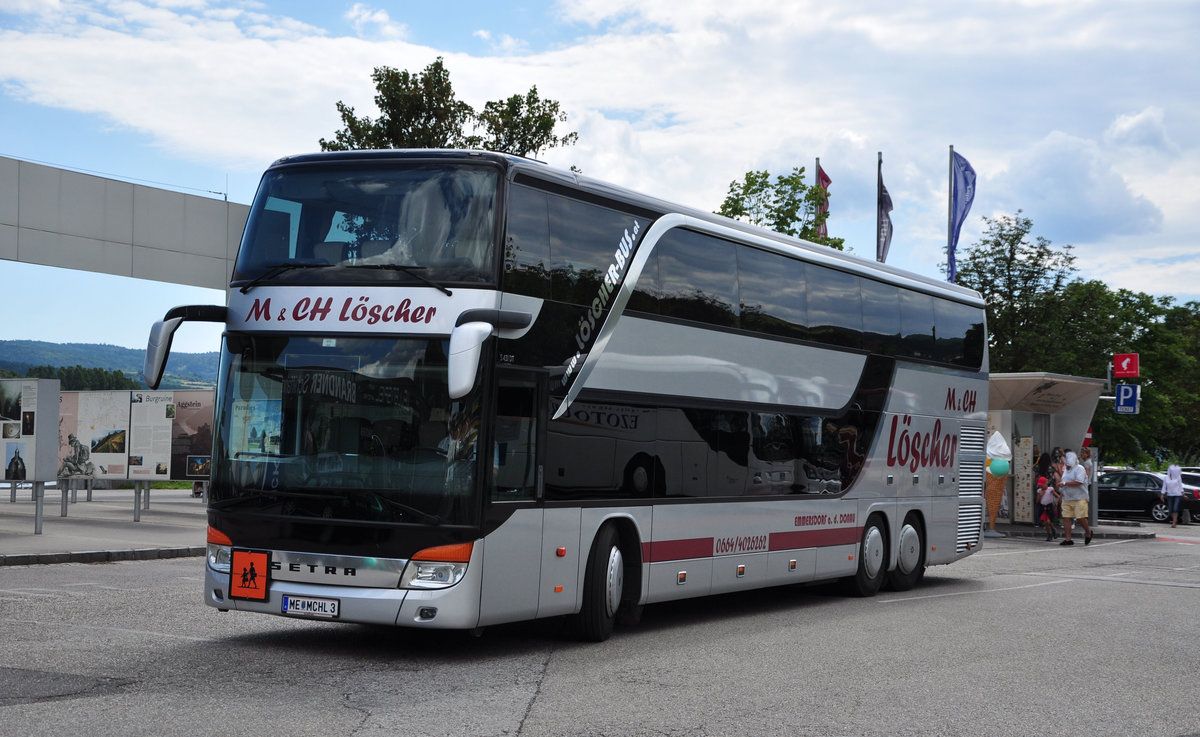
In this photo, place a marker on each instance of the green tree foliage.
(78, 378)
(523, 124)
(421, 111)
(1022, 282)
(786, 205)
(1041, 317)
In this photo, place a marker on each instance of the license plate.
(310, 606)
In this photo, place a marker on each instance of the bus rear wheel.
(872, 560)
(603, 587)
(910, 561)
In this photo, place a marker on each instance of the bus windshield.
(436, 221)
(344, 429)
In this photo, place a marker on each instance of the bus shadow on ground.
(383, 643)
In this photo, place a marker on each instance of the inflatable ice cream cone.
(994, 494)
(998, 456)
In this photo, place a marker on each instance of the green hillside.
(184, 370)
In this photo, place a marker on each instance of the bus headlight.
(220, 550)
(219, 557)
(437, 568)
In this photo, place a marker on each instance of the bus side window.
(834, 307)
(527, 244)
(514, 458)
(772, 289)
(698, 275)
(916, 324)
(646, 292)
(959, 329)
(881, 317)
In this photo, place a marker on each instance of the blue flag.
(962, 194)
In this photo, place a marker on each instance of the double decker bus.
(459, 389)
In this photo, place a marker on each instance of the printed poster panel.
(93, 433)
(255, 429)
(151, 415)
(192, 436)
(18, 421)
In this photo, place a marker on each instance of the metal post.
(38, 490)
(89, 489)
(13, 492)
(74, 491)
(146, 497)
(137, 501)
(66, 492)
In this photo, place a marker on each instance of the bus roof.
(515, 165)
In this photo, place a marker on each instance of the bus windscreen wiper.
(277, 269)
(410, 270)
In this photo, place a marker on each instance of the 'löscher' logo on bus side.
(911, 447)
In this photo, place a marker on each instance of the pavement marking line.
(124, 630)
(969, 593)
(1110, 579)
(1056, 548)
(1177, 540)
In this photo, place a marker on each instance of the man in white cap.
(1074, 490)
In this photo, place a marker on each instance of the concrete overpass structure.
(58, 217)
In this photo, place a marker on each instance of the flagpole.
(949, 212)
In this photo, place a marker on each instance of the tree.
(523, 125)
(78, 378)
(1023, 283)
(787, 205)
(421, 111)
(1042, 318)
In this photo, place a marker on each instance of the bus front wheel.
(603, 587)
(872, 560)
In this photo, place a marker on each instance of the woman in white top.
(1172, 492)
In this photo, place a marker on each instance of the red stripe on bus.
(814, 538)
(696, 547)
(702, 547)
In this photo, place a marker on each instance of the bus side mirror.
(158, 347)
(466, 346)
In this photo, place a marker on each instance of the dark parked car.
(1139, 493)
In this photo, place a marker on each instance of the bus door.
(515, 559)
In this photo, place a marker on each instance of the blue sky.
(1084, 115)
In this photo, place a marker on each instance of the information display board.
(138, 435)
(28, 414)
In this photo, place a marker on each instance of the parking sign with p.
(1128, 399)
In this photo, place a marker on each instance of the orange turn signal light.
(457, 553)
(216, 537)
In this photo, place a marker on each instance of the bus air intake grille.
(970, 527)
(972, 449)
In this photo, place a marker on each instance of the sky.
(1083, 115)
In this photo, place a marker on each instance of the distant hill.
(184, 370)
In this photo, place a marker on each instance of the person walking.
(1085, 460)
(1074, 491)
(1047, 501)
(1172, 491)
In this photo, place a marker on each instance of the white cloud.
(1144, 129)
(1073, 193)
(504, 45)
(368, 22)
(1064, 108)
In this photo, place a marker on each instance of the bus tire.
(603, 587)
(643, 476)
(872, 560)
(910, 560)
